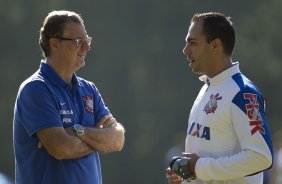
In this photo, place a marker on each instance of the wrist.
(78, 129)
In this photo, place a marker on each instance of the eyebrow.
(190, 39)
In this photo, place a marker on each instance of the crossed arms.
(106, 136)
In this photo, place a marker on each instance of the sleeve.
(36, 108)
(250, 124)
(100, 109)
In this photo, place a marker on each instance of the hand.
(192, 162)
(172, 177)
(106, 121)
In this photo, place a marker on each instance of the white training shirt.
(228, 129)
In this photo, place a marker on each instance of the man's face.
(197, 50)
(72, 54)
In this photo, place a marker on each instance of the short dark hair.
(217, 25)
(54, 25)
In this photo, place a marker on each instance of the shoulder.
(33, 86)
(244, 83)
(248, 93)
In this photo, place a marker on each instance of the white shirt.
(228, 129)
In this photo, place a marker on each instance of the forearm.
(73, 148)
(61, 143)
(245, 163)
(104, 140)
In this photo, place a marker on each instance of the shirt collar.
(229, 72)
(51, 74)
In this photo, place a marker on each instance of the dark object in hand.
(180, 165)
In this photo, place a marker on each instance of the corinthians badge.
(211, 106)
(88, 103)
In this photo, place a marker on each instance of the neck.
(220, 65)
(60, 69)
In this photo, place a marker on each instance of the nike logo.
(62, 103)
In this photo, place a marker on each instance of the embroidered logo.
(88, 103)
(253, 113)
(211, 106)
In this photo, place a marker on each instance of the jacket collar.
(229, 72)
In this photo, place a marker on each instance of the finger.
(175, 182)
(169, 171)
(171, 175)
(103, 119)
(111, 122)
(174, 179)
(191, 155)
(186, 153)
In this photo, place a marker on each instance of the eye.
(86, 41)
(81, 42)
(192, 43)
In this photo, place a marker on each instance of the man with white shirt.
(228, 139)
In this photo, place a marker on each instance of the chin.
(194, 70)
(81, 63)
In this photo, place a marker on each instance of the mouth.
(81, 55)
(191, 60)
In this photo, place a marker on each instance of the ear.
(216, 45)
(54, 43)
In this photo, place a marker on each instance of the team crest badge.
(88, 103)
(211, 106)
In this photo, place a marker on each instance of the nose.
(186, 49)
(86, 47)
